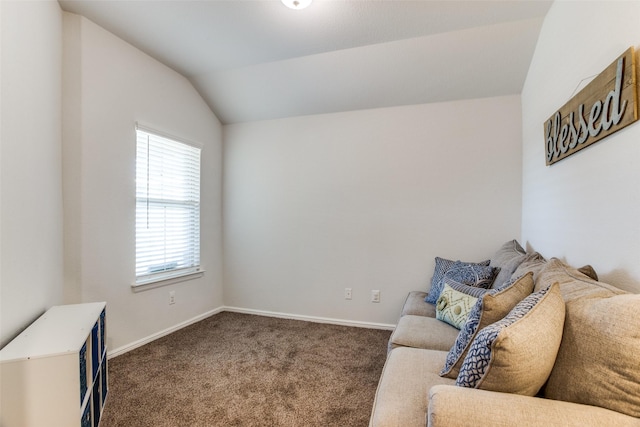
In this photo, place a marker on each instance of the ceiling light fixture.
(296, 4)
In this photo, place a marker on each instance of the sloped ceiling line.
(257, 60)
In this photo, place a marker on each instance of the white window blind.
(167, 207)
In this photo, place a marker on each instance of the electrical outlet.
(347, 293)
(172, 297)
(375, 296)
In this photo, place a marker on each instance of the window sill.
(166, 282)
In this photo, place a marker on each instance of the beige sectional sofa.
(576, 364)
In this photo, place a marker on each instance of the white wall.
(366, 200)
(108, 86)
(586, 208)
(31, 185)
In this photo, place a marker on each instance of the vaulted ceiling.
(257, 60)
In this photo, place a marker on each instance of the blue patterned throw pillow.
(479, 276)
(516, 354)
(442, 267)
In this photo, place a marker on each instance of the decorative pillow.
(453, 307)
(479, 276)
(517, 353)
(442, 266)
(465, 289)
(507, 258)
(490, 308)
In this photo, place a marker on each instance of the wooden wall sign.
(603, 107)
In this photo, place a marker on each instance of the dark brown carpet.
(242, 370)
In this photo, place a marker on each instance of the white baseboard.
(139, 343)
(354, 323)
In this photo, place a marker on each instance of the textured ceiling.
(256, 60)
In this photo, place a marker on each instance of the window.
(167, 207)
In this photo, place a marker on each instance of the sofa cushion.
(490, 308)
(423, 332)
(453, 306)
(507, 258)
(598, 362)
(533, 262)
(516, 354)
(415, 305)
(451, 406)
(402, 395)
(573, 283)
(442, 267)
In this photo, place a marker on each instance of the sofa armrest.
(462, 407)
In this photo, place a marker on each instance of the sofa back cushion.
(598, 362)
(573, 283)
(507, 259)
(533, 262)
(415, 305)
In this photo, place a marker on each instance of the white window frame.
(166, 261)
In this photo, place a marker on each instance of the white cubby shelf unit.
(55, 372)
